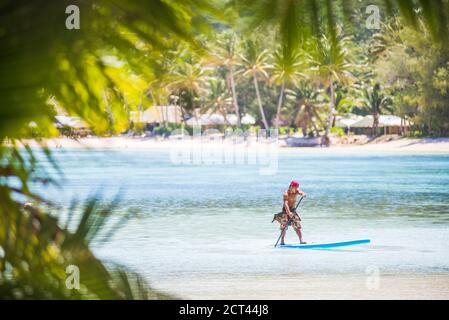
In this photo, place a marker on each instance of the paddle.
(288, 222)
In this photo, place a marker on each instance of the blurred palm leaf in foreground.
(93, 72)
(36, 247)
(37, 254)
(40, 57)
(100, 71)
(297, 20)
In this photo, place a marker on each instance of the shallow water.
(216, 220)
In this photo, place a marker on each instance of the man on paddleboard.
(289, 216)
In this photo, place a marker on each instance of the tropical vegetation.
(289, 63)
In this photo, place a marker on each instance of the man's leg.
(299, 233)
(283, 232)
(298, 229)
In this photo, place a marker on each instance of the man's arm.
(302, 193)
(286, 206)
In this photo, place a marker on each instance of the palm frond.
(36, 251)
(298, 21)
(40, 57)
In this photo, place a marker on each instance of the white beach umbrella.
(73, 122)
(192, 121)
(384, 121)
(347, 121)
(248, 119)
(390, 121)
(365, 122)
(217, 119)
(232, 119)
(343, 123)
(63, 121)
(205, 120)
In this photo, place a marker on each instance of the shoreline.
(401, 145)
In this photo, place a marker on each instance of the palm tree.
(255, 62)
(192, 77)
(189, 80)
(286, 72)
(218, 98)
(343, 105)
(330, 64)
(69, 64)
(307, 103)
(227, 55)
(161, 76)
(138, 27)
(376, 102)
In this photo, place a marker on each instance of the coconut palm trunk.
(306, 121)
(331, 112)
(375, 123)
(259, 101)
(280, 103)
(234, 96)
(183, 114)
(402, 127)
(315, 128)
(225, 116)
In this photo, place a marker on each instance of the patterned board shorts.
(283, 219)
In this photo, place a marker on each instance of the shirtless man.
(289, 215)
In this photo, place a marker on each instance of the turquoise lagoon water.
(216, 220)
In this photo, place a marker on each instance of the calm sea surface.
(216, 219)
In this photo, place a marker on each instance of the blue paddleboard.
(325, 245)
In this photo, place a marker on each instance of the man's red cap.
(294, 184)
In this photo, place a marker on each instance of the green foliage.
(331, 62)
(287, 67)
(92, 71)
(416, 71)
(296, 21)
(284, 130)
(124, 49)
(36, 246)
(99, 72)
(344, 102)
(375, 100)
(130, 53)
(218, 99)
(441, 80)
(338, 131)
(255, 64)
(306, 107)
(416, 134)
(168, 128)
(37, 249)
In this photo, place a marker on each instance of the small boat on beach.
(303, 142)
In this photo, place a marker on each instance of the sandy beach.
(310, 287)
(405, 145)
